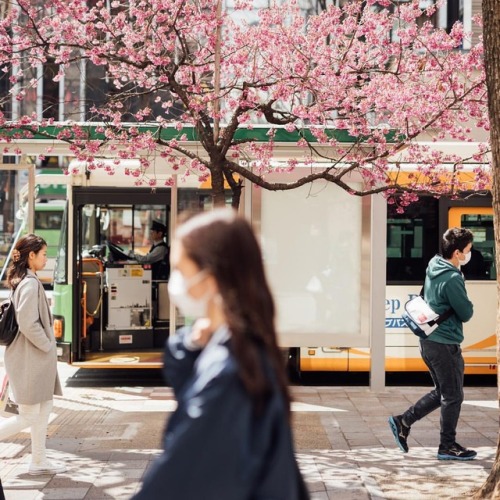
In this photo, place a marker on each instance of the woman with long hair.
(230, 436)
(31, 359)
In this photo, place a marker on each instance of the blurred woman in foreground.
(230, 436)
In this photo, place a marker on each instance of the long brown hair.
(224, 244)
(19, 262)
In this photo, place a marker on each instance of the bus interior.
(124, 316)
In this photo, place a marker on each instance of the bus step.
(129, 359)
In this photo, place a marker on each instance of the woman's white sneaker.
(46, 468)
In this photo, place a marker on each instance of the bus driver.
(158, 255)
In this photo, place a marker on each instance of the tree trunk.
(236, 192)
(218, 195)
(491, 30)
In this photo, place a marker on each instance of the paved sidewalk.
(349, 453)
(108, 437)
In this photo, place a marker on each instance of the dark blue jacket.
(215, 447)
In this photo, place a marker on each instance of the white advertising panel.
(312, 244)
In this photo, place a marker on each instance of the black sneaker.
(400, 431)
(455, 452)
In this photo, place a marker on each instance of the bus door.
(412, 240)
(479, 346)
(123, 313)
(109, 311)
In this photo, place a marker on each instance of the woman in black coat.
(230, 437)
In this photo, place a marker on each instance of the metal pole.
(101, 312)
(173, 226)
(377, 292)
(39, 92)
(467, 21)
(217, 71)
(31, 198)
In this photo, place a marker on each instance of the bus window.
(144, 215)
(412, 240)
(121, 226)
(47, 220)
(479, 220)
(197, 200)
(126, 226)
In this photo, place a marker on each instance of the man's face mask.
(466, 260)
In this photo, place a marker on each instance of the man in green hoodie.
(444, 288)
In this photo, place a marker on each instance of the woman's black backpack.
(8, 323)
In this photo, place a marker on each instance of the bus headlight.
(58, 328)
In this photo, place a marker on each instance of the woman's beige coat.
(31, 359)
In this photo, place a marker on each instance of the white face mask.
(178, 290)
(466, 260)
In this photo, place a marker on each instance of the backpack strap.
(444, 316)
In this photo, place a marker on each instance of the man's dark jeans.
(446, 364)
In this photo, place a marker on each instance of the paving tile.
(322, 495)
(350, 494)
(116, 492)
(64, 493)
(22, 494)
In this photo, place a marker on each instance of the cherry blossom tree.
(363, 88)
